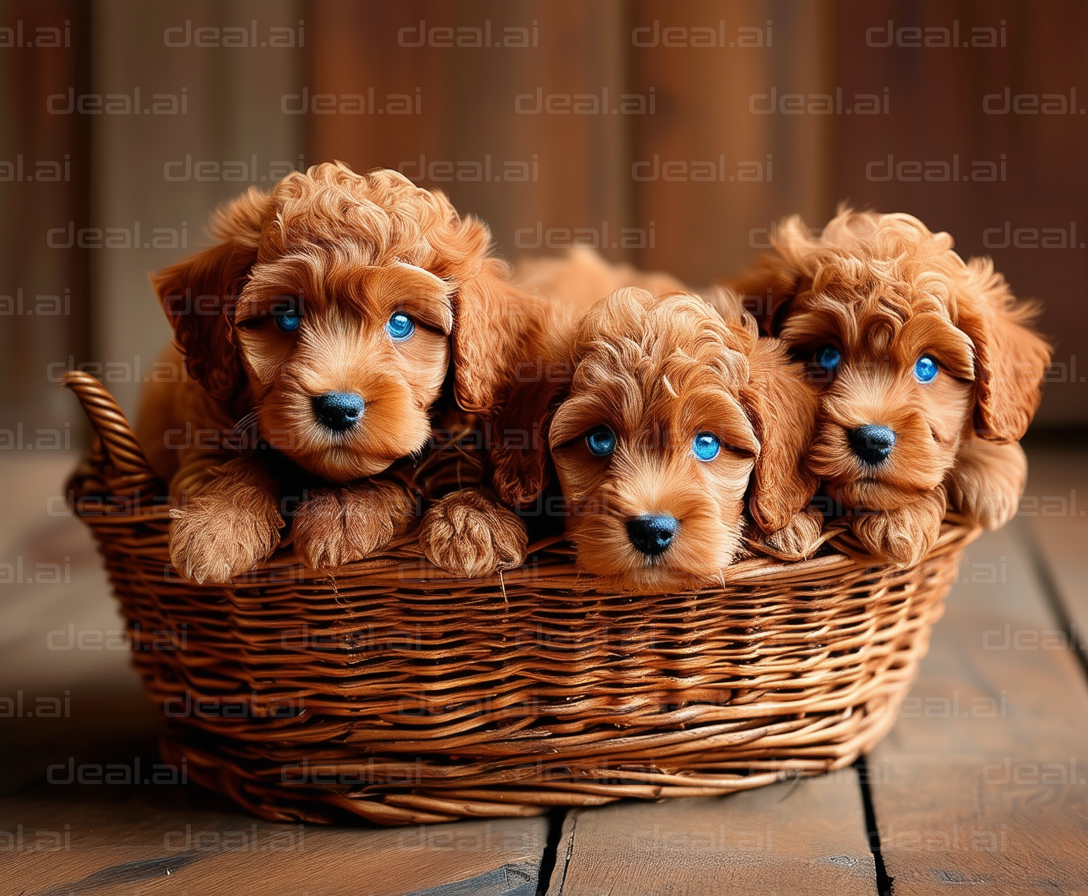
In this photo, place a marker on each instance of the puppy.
(561, 287)
(657, 417)
(581, 276)
(317, 337)
(927, 369)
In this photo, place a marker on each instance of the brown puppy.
(927, 370)
(566, 285)
(657, 417)
(323, 324)
(581, 276)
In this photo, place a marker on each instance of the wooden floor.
(982, 787)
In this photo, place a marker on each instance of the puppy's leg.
(799, 538)
(470, 534)
(229, 520)
(334, 526)
(987, 481)
(903, 536)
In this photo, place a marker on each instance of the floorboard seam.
(884, 883)
(1052, 594)
(548, 858)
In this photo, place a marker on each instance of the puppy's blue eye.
(287, 318)
(706, 446)
(601, 442)
(400, 327)
(925, 369)
(827, 358)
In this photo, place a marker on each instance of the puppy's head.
(648, 436)
(909, 348)
(330, 311)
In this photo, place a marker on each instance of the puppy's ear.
(782, 406)
(1010, 357)
(518, 455)
(491, 320)
(198, 294)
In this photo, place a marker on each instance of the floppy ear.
(518, 454)
(1010, 357)
(492, 322)
(198, 295)
(782, 407)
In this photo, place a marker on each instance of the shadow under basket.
(393, 691)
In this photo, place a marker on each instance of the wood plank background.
(705, 72)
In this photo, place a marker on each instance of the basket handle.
(118, 440)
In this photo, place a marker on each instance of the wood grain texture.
(708, 224)
(45, 287)
(988, 763)
(806, 837)
(112, 839)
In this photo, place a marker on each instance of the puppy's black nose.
(872, 444)
(338, 411)
(652, 534)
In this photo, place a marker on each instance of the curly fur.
(349, 250)
(884, 290)
(657, 371)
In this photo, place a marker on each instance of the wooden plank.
(113, 839)
(806, 836)
(988, 762)
(1055, 508)
(45, 286)
(715, 175)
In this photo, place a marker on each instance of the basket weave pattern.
(396, 692)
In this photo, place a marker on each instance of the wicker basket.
(401, 694)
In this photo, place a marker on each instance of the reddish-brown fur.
(350, 250)
(884, 290)
(657, 371)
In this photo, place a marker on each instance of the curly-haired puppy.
(927, 369)
(658, 417)
(325, 322)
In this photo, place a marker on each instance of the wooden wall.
(44, 291)
(691, 184)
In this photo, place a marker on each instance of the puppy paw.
(334, 526)
(215, 537)
(800, 537)
(470, 534)
(986, 483)
(904, 535)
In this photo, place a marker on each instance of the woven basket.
(399, 693)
